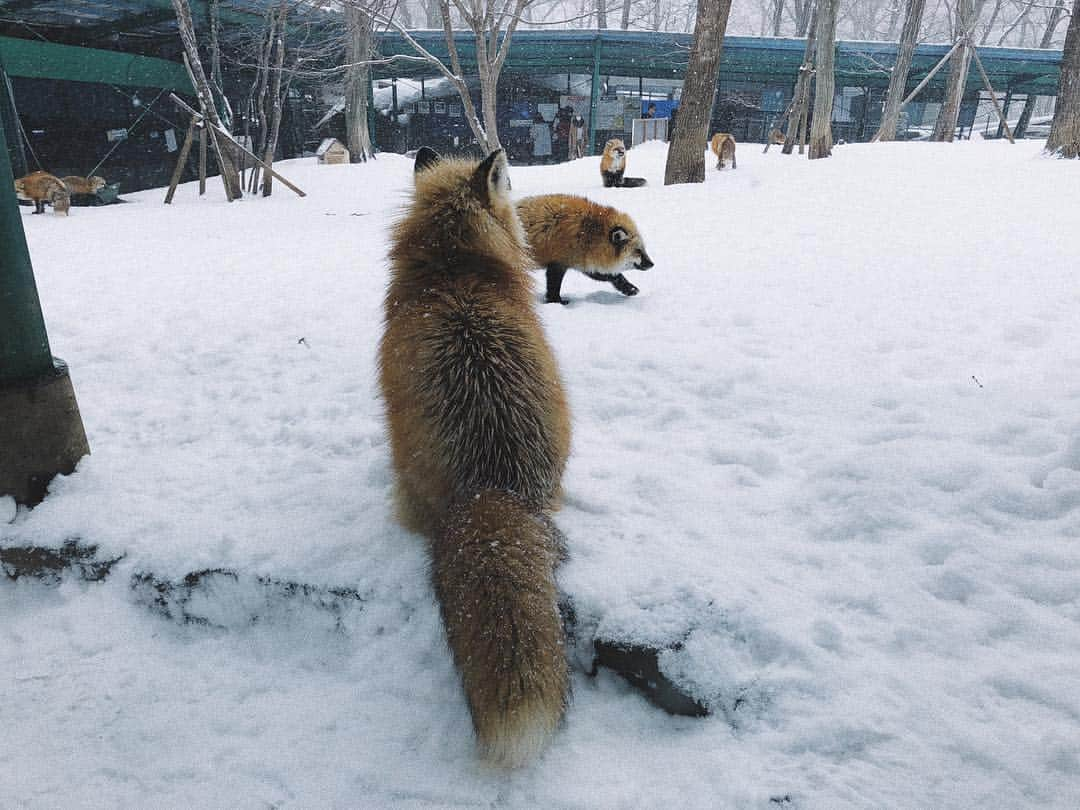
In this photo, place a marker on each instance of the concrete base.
(41, 434)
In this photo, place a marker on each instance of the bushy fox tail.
(494, 579)
(632, 182)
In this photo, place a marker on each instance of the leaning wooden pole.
(181, 162)
(218, 132)
(229, 175)
(926, 79)
(993, 95)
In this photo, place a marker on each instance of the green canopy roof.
(752, 59)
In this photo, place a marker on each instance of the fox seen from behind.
(479, 435)
(723, 146)
(42, 187)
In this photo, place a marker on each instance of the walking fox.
(565, 231)
(41, 188)
(83, 185)
(479, 435)
(723, 146)
(613, 165)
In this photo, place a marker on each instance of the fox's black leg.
(39, 206)
(555, 273)
(619, 281)
(622, 285)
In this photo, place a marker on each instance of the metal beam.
(125, 24)
(33, 59)
(594, 95)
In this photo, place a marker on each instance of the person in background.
(578, 137)
(650, 111)
(562, 134)
(541, 140)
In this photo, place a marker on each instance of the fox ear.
(619, 236)
(492, 178)
(425, 158)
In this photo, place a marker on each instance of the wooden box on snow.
(332, 151)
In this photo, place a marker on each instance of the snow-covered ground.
(833, 446)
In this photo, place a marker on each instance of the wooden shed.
(332, 151)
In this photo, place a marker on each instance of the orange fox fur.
(84, 185)
(565, 231)
(479, 435)
(613, 166)
(41, 188)
(723, 146)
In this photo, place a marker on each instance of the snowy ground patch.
(831, 453)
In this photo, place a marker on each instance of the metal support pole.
(1007, 104)
(41, 432)
(594, 98)
(24, 345)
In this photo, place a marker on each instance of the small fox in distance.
(41, 188)
(723, 146)
(84, 185)
(613, 166)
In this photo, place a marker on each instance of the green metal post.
(594, 98)
(41, 431)
(24, 344)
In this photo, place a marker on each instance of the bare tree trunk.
(1047, 40)
(686, 154)
(803, 13)
(601, 13)
(945, 126)
(358, 49)
(259, 95)
(1064, 140)
(277, 99)
(824, 81)
(800, 96)
(215, 62)
(890, 116)
(1021, 19)
(990, 23)
(205, 94)
(894, 18)
(778, 16)
(625, 22)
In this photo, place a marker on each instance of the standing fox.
(41, 188)
(479, 435)
(723, 146)
(613, 165)
(84, 185)
(564, 231)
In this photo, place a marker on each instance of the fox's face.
(617, 149)
(629, 248)
(97, 183)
